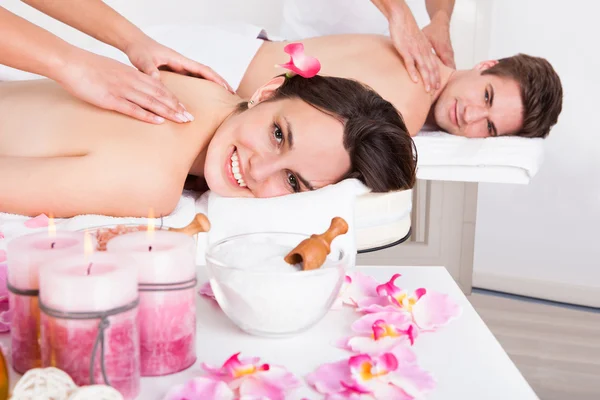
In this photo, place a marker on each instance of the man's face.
(478, 106)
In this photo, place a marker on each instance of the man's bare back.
(380, 67)
(100, 153)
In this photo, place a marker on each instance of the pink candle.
(166, 277)
(89, 320)
(25, 255)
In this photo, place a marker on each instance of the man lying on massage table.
(519, 95)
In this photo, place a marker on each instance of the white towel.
(305, 213)
(506, 159)
(12, 226)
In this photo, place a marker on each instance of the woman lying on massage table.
(62, 156)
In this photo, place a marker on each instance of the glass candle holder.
(25, 255)
(89, 327)
(167, 313)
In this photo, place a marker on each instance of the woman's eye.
(489, 126)
(293, 182)
(487, 96)
(278, 134)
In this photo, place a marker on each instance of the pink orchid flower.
(391, 375)
(300, 63)
(429, 310)
(380, 332)
(250, 379)
(2, 256)
(200, 388)
(5, 316)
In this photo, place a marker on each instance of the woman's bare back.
(67, 157)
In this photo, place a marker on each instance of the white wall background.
(543, 239)
(265, 13)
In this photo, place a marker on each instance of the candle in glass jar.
(89, 307)
(167, 313)
(25, 254)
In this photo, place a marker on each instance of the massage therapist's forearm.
(30, 48)
(439, 8)
(92, 17)
(392, 9)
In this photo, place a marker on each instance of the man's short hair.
(541, 91)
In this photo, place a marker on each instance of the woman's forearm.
(92, 17)
(30, 48)
(392, 9)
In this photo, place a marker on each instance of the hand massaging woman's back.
(61, 156)
(520, 95)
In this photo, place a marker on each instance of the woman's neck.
(209, 103)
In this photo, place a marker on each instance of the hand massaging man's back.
(521, 95)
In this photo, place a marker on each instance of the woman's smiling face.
(276, 148)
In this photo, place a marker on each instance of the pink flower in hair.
(300, 63)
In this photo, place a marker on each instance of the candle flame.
(88, 246)
(151, 223)
(51, 227)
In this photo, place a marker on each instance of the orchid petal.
(389, 288)
(2, 255)
(360, 287)
(383, 390)
(414, 380)
(272, 384)
(434, 310)
(365, 323)
(328, 378)
(206, 290)
(362, 344)
(37, 222)
(200, 388)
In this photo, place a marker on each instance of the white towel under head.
(506, 159)
(305, 213)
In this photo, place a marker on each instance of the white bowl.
(265, 296)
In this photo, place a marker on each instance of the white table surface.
(464, 357)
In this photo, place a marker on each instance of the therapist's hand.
(112, 85)
(438, 33)
(415, 49)
(148, 56)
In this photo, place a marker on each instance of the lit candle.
(167, 315)
(89, 306)
(25, 255)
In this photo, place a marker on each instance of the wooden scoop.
(200, 223)
(313, 251)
